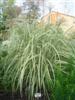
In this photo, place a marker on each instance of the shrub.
(65, 83)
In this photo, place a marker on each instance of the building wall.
(56, 17)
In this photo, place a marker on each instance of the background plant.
(3, 54)
(65, 87)
(32, 10)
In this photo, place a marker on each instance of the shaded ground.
(15, 96)
(11, 96)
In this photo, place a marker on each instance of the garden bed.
(4, 95)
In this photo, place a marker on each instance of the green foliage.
(12, 12)
(65, 86)
(8, 11)
(38, 59)
(32, 58)
(10, 2)
(65, 83)
(3, 54)
(2, 24)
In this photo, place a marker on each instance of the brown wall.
(54, 17)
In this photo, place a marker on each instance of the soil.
(11, 96)
(14, 96)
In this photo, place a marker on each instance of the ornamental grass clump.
(32, 58)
